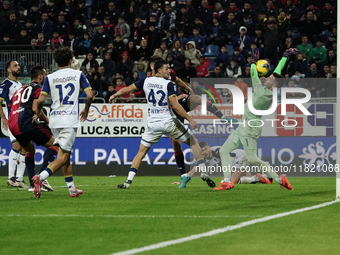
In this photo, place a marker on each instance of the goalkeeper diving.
(248, 135)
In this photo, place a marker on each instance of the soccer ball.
(262, 67)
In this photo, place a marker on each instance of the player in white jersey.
(16, 158)
(161, 95)
(64, 86)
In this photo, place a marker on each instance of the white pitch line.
(219, 230)
(133, 216)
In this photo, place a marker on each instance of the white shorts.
(172, 127)
(64, 138)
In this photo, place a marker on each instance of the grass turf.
(105, 219)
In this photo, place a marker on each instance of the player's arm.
(42, 116)
(40, 103)
(135, 86)
(283, 60)
(179, 109)
(2, 116)
(85, 85)
(182, 84)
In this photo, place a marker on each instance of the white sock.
(70, 183)
(131, 175)
(248, 180)
(44, 175)
(12, 162)
(21, 167)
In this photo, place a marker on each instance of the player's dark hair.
(8, 64)
(154, 59)
(62, 56)
(36, 71)
(159, 64)
(203, 144)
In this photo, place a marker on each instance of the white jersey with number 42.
(64, 86)
(157, 91)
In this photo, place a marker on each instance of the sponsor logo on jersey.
(158, 111)
(63, 113)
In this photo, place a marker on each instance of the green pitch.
(105, 220)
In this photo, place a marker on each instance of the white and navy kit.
(64, 86)
(7, 89)
(238, 158)
(161, 119)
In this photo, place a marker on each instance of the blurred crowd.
(114, 39)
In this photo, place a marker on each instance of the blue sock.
(49, 156)
(29, 161)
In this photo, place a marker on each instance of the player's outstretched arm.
(179, 109)
(283, 60)
(182, 84)
(40, 104)
(122, 92)
(85, 111)
(253, 71)
(3, 117)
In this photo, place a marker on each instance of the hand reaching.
(290, 51)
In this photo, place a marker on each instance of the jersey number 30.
(25, 95)
(152, 99)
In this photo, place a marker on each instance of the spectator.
(100, 40)
(283, 23)
(312, 84)
(249, 25)
(305, 47)
(189, 71)
(155, 11)
(259, 40)
(200, 25)
(298, 68)
(249, 14)
(183, 20)
(119, 44)
(162, 51)
(77, 30)
(114, 53)
(51, 10)
(29, 28)
(84, 45)
(98, 6)
(326, 70)
(269, 9)
(101, 82)
(90, 63)
(108, 27)
(291, 84)
(41, 39)
(223, 59)
(56, 40)
(22, 39)
(242, 86)
(131, 49)
(190, 8)
(225, 95)
(328, 16)
(251, 51)
(92, 27)
(330, 83)
(331, 58)
(289, 34)
(71, 42)
(290, 9)
(174, 64)
(112, 12)
(215, 33)
(68, 10)
(287, 45)
(138, 30)
(133, 79)
(80, 12)
(332, 37)
(242, 41)
(204, 12)
(109, 65)
(233, 70)
(192, 53)
(180, 36)
(61, 26)
(218, 10)
(231, 28)
(198, 39)
(34, 13)
(143, 54)
(130, 14)
(119, 86)
(318, 53)
(21, 16)
(167, 39)
(202, 69)
(167, 19)
(310, 26)
(110, 92)
(177, 51)
(217, 73)
(12, 27)
(153, 36)
(6, 10)
(239, 57)
(247, 74)
(122, 29)
(196, 88)
(125, 65)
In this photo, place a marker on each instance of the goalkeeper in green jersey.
(247, 135)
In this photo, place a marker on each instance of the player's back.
(7, 89)
(21, 107)
(64, 86)
(157, 93)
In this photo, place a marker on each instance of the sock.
(131, 175)
(46, 173)
(69, 182)
(226, 161)
(249, 180)
(21, 167)
(12, 162)
(49, 156)
(214, 110)
(29, 161)
(180, 161)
